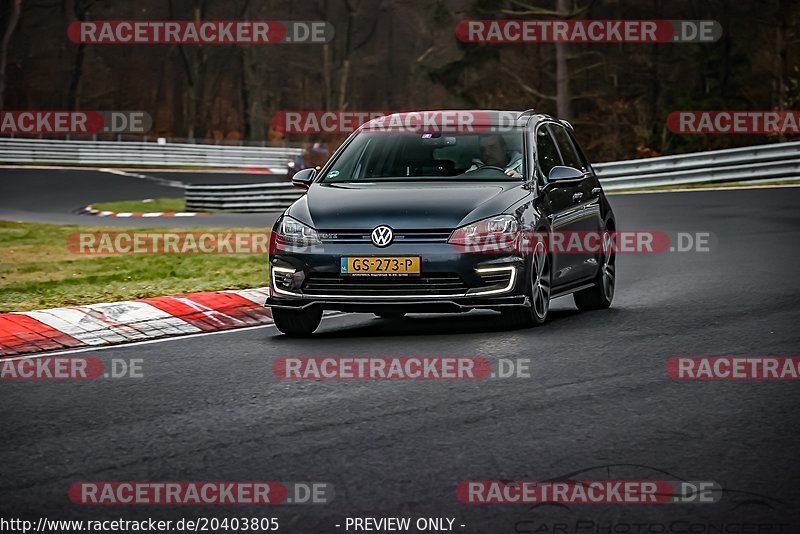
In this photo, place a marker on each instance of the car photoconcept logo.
(382, 236)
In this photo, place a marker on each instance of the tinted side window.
(568, 151)
(546, 152)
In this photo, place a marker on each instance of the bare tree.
(337, 61)
(786, 36)
(563, 94)
(80, 10)
(563, 10)
(194, 63)
(15, 9)
(253, 82)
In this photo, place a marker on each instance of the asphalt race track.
(598, 401)
(55, 196)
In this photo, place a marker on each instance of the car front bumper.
(449, 281)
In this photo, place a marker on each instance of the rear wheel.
(538, 295)
(600, 295)
(297, 323)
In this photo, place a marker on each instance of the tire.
(390, 315)
(600, 295)
(297, 323)
(539, 293)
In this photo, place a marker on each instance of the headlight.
(499, 233)
(294, 233)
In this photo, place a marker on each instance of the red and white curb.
(136, 320)
(263, 170)
(89, 210)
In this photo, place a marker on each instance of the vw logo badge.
(382, 236)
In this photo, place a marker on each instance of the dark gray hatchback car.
(422, 213)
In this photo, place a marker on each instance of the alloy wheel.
(540, 282)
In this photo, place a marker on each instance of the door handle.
(577, 196)
(595, 190)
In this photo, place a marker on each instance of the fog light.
(286, 281)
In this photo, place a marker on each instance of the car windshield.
(393, 156)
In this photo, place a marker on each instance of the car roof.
(479, 117)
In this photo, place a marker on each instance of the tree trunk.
(563, 95)
(782, 53)
(327, 75)
(252, 97)
(344, 75)
(16, 8)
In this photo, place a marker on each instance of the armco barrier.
(780, 161)
(762, 162)
(138, 154)
(245, 198)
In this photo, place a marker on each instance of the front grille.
(433, 284)
(400, 236)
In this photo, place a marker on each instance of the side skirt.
(570, 291)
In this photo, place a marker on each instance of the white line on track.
(687, 190)
(150, 341)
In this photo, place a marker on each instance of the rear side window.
(567, 148)
(546, 152)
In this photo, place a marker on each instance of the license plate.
(381, 265)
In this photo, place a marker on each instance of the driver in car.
(494, 153)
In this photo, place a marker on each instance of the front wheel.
(297, 323)
(538, 295)
(600, 295)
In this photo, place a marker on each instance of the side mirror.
(304, 178)
(561, 173)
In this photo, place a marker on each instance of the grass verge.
(150, 205)
(37, 270)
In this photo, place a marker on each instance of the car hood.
(405, 205)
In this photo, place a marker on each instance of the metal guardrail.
(761, 162)
(779, 161)
(246, 198)
(138, 154)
